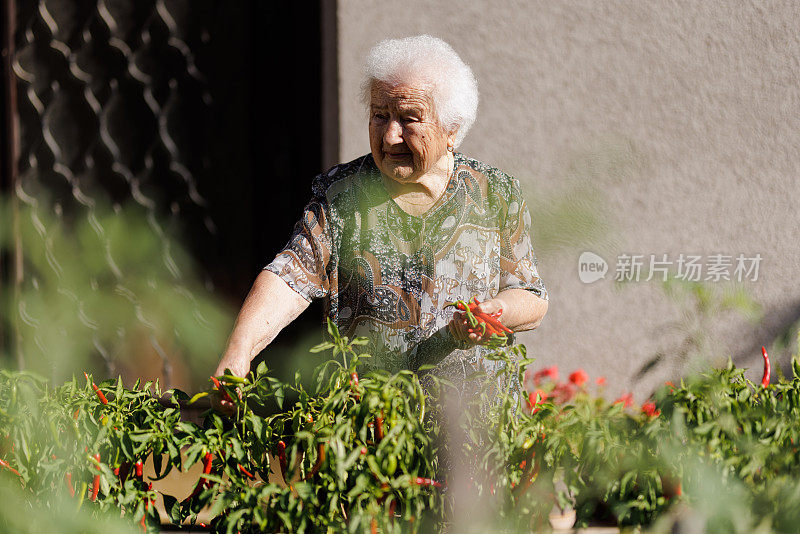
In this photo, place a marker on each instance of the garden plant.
(376, 452)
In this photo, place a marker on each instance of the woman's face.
(404, 134)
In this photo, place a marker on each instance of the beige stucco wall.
(683, 115)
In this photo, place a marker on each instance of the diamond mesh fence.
(114, 131)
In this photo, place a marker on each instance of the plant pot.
(562, 521)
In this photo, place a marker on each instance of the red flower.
(535, 398)
(578, 377)
(626, 400)
(547, 372)
(601, 381)
(563, 392)
(649, 409)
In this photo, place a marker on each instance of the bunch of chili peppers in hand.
(488, 328)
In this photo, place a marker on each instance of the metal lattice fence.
(164, 149)
(113, 110)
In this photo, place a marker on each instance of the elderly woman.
(389, 239)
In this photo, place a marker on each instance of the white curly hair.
(427, 60)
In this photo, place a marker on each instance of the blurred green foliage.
(106, 289)
(715, 453)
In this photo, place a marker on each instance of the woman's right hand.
(459, 325)
(222, 405)
(268, 308)
(238, 366)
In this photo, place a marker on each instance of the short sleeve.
(518, 264)
(303, 263)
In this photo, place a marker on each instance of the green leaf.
(173, 508)
(127, 447)
(256, 424)
(157, 463)
(238, 451)
(277, 391)
(141, 438)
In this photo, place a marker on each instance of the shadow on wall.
(579, 216)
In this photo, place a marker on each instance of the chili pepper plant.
(370, 451)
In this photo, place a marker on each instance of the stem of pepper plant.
(84, 488)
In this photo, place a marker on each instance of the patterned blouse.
(387, 275)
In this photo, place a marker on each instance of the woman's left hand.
(459, 325)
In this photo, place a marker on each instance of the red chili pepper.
(490, 330)
(75, 414)
(282, 459)
(147, 504)
(318, 463)
(7, 466)
(379, 427)
(96, 482)
(245, 472)
(363, 451)
(95, 487)
(208, 460)
(97, 391)
(139, 469)
(122, 471)
(488, 319)
(765, 378)
(420, 481)
(373, 526)
(68, 480)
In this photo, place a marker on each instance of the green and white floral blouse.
(387, 275)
